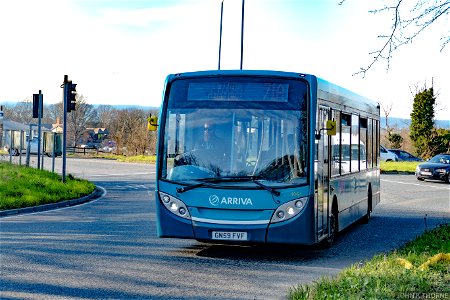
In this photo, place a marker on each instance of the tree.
(21, 112)
(105, 115)
(387, 111)
(79, 119)
(440, 142)
(422, 121)
(128, 128)
(54, 111)
(409, 20)
(395, 140)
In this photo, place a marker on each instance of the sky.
(119, 52)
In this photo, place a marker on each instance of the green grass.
(138, 158)
(22, 186)
(386, 277)
(399, 166)
(121, 158)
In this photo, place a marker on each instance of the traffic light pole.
(64, 139)
(39, 153)
(69, 101)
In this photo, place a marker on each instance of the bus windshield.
(236, 126)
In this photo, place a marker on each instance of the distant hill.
(120, 106)
(393, 121)
(404, 123)
(124, 106)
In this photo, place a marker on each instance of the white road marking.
(418, 184)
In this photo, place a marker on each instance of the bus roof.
(341, 96)
(325, 89)
(239, 73)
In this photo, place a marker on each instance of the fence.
(83, 150)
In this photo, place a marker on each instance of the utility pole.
(1, 125)
(220, 33)
(242, 33)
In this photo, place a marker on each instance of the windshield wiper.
(267, 188)
(254, 179)
(206, 181)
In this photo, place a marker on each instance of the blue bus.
(250, 157)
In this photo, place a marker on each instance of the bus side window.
(376, 131)
(362, 143)
(345, 143)
(335, 144)
(355, 144)
(369, 144)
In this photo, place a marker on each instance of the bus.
(296, 160)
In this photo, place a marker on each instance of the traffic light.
(71, 96)
(36, 103)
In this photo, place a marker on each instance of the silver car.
(386, 155)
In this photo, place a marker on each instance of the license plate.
(425, 173)
(229, 235)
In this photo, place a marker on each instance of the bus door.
(322, 183)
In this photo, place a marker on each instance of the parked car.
(34, 145)
(15, 152)
(386, 155)
(402, 155)
(438, 167)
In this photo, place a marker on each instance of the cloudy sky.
(119, 52)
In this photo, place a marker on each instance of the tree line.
(423, 138)
(127, 127)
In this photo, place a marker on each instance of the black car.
(438, 167)
(405, 156)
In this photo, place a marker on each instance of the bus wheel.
(366, 218)
(326, 243)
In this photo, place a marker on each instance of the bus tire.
(326, 243)
(366, 218)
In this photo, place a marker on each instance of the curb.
(397, 172)
(97, 193)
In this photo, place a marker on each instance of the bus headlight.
(289, 210)
(175, 205)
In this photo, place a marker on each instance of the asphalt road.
(108, 249)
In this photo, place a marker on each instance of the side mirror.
(331, 129)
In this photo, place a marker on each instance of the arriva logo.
(215, 200)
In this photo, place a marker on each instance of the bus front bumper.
(295, 231)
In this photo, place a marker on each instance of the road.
(108, 249)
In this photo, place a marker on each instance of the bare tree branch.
(408, 22)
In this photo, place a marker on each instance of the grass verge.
(121, 158)
(22, 186)
(399, 166)
(138, 158)
(418, 270)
